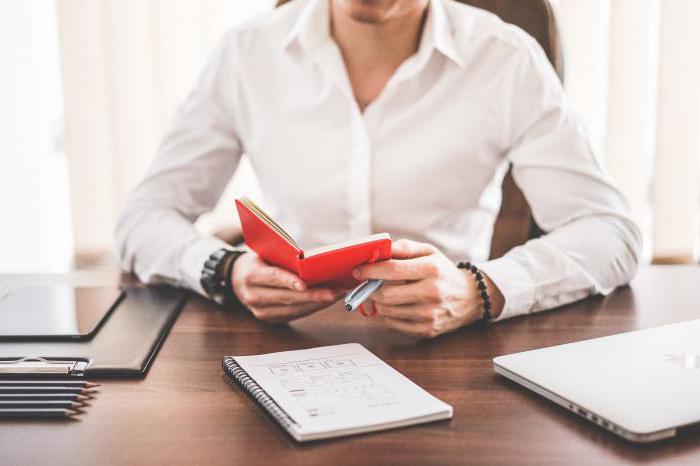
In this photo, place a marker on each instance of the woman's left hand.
(425, 294)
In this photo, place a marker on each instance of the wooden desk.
(185, 412)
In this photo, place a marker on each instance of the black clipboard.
(124, 346)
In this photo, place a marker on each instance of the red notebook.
(328, 264)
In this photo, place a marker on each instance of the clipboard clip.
(39, 365)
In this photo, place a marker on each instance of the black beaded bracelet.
(481, 286)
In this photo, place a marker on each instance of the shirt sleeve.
(155, 236)
(591, 244)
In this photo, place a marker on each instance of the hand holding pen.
(360, 294)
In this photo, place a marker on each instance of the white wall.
(35, 230)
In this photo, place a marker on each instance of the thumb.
(407, 249)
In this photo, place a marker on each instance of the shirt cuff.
(515, 283)
(193, 258)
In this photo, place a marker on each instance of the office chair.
(514, 224)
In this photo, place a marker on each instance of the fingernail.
(356, 274)
(298, 286)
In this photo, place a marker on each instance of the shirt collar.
(312, 29)
(438, 27)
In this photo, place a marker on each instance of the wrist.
(498, 301)
(491, 298)
(236, 278)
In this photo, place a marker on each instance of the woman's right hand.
(275, 295)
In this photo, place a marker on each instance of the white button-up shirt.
(424, 161)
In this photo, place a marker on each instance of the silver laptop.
(641, 385)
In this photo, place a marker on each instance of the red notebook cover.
(330, 265)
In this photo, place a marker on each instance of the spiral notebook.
(332, 391)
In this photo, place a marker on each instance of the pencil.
(48, 383)
(17, 389)
(43, 396)
(41, 404)
(37, 413)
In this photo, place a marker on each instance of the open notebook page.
(253, 207)
(341, 390)
(347, 244)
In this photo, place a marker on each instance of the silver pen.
(360, 294)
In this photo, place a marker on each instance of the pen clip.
(350, 296)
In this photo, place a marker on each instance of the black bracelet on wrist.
(481, 286)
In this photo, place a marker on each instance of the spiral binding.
(251, 387)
